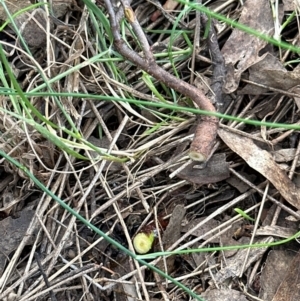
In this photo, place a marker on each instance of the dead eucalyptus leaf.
(289, 5)
(241, 50)
(276, 231)
(289, 289)
(262, 162)
(223, 295)
(208, 226)
(13, 6)
(172, 234)
(270, 72)
(216, 170)
(234, 264)
(33, 27)
(12, 231)
(61, 7)
(274, 270)
(297, 99)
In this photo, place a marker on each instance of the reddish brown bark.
(204, 139)
(206, 130)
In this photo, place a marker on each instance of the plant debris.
(98, 124)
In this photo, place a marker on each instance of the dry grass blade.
(121, 50)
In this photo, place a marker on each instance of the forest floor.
(116, 133)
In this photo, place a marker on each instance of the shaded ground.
(46, 253)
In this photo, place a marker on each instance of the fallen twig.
(207, 126)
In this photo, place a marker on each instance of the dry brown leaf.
(284, 155)
(12, 231)
(33, 33)
(289, 289)
(240, 185)
(61, 7)
(276, 231)
(124, 291)
(208, 226)
(172, 234)
(234, 264)
(168, 6)
(270, 72)
(33, 26)
(223, 295)
(173, 230)
(216, 170)
(289, 5)
(13, 7)
(274, 270)
(297, 99)
(262, 162)
(241, 50)
(229, 238)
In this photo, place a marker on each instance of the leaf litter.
(157, 175)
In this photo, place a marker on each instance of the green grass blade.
(5, 91)
(94, 228)
(240, 26)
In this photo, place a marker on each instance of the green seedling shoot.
(244, 214)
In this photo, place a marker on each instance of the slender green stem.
(94, 228)
(241, 26)
(223, 248)
(162, 105)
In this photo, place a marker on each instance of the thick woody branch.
(206, 130)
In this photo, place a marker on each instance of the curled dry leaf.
(241, 50)
(262, 162)
(271, 73)
(216, 170)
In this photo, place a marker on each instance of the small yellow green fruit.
(143, 242)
